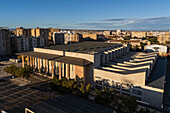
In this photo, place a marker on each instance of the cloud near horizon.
(155, 23)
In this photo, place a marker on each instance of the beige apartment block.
(164, 38)
(51, 32)
(90, 35)
(41, 32)
(139, 34)
(20, 31)
(134, 43)
(107, 33)
(72, 37)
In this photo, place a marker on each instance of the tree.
(19, 72)
(122, 104)
(11, 69)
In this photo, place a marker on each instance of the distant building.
(22, 44)
(139, 34)
(73, 37)
(149, 34)
(51, 31)
(134, 43)
(119, 31)
(93, 36)
(164, 38)
(5, 43)
(37, 32)
(146, 42)
(20, 31)
(89, 36)
(58, 38)
(168, 46)
(162, 49)
(107, 33)
(41, 32)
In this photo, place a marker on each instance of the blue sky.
(86, 14)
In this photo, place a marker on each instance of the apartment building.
(51, 32)
(21, 43)
(107, 33)
(5, 43)
(20, 31)
(134, 43)
(139, 34)
(73, 37)
(41, 32)
(92, 36)
(66, 38)
(164, 38)
(37, 32)
(101, 64)
(58, 38)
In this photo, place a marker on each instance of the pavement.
(69, 104)
(16, 94)
(166, 97)
(158, 74)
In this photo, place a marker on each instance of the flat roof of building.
(39, 55)
(69, 104)
(73, 60)
(58, 58)
(83, 47)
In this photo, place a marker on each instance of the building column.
(60, 70)
(47, 66)
(28, 60)
(68, 71)
(23, 63)
(52, 68)
(35, 59)
(31, 61)
(39, 64)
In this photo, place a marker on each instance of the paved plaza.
(17, 94)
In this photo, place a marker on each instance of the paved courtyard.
(17, 94)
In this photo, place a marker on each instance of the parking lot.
(17, 94)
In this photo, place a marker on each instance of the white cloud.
(156, 23)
